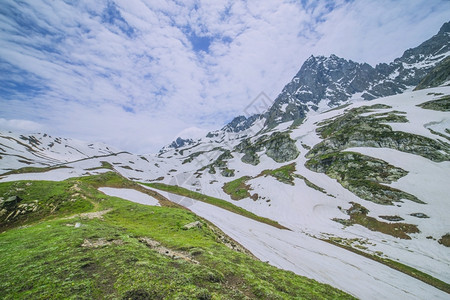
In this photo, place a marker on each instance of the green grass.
(358, 215)
(50, 199)
(33, 170)
(237, 189)
(441, 104)
(213, 201)
(104, 165)
(45, 258)
(283, 174)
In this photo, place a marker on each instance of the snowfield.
(307, 256)
(130, 195)
(308, 212)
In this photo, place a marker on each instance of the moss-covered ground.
(441, 104)
(238, 188)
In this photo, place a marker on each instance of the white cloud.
(192, 133)
(379, 31)
(137, 91)
(20, 125)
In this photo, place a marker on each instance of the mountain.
(325, 183)
(44, 150)
(178, 143)
(367, 176)
(330, 81)
(336, 195)
(326, 82)
(440, 75)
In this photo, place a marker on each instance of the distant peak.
(180, 142)
(310, 59)
(444, 28)
(324, 58)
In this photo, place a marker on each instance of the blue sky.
(137, 73)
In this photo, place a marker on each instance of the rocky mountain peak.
(178, 143)
(445, 28)
(329, 81)
(240, 123)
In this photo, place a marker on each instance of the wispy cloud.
(136, 73)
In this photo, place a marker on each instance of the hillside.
(76, 241)
(343, 180)
(355, 189)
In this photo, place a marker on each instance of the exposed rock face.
(358, 215)
(437, 76)
(362, 175)
(240, 123)
(279, 146)
(195, 224)
(335, 80)
(10, 202)
(227, 172)
(179, 142)
(354, 130)
(220, 163)
(250, 158)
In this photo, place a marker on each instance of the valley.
(338, 194)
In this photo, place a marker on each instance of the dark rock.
(227, 172)
(437, 76)
(354, 130)
(441, 104)
(419, 215)
(445, 240)
(11, 201)
(179, 142)
(362, 175)
(211, 134)
(279, 146)
(240, 123)
(250, 158)
(392, 218)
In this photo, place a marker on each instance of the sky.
(135, 74)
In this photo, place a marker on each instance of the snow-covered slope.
(20, 150)
(315, 198)
(365, 179)
(317, 204)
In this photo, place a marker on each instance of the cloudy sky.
(137, 73)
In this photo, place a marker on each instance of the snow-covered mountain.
(371, 177)
(39, 149)
(333, 80)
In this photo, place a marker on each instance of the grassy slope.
(33, 170)
(237, 189)
(42, 257)
(214, 201)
